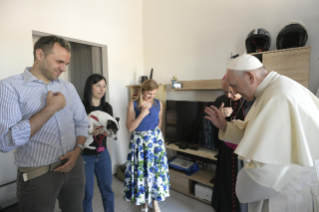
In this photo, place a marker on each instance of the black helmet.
(292, 34)
(258, 40)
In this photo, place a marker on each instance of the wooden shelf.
(282, 50)
(201, 176)
(133, 86)
(186, 184)
(200, 85)
(192, 85)
(195, 89)
(201, 152)
(137, 86)
(293, 63)
(203, 200)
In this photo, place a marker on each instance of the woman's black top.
(108, 109)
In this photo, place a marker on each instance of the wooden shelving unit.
(186, 184)
(293, 63)
(202, 152)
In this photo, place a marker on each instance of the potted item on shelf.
(175, 83)
(134, 96)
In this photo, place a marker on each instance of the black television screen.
(185, 122)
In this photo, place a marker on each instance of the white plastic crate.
(203, 191)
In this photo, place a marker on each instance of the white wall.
(193, 39)
(115, 24)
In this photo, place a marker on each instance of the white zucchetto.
(244, 62)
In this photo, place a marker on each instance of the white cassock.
(278, 142)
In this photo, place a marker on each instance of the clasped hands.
(225, 111)
(145, 109)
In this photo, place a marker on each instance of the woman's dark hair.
(87, 95)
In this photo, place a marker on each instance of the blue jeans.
(101, 166)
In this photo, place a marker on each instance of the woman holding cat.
(97, 161)
(146, 175)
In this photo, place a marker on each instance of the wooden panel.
(202, 176)
(281, 50)
(179, 182)
(293, 63)
(203, 200)
(214, 84)
(161, 92)
(201, 152)
(161, 95)
(133, 92)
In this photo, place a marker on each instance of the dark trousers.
(40, 194)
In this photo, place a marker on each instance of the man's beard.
(46, 73)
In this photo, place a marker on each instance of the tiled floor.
(177, 202)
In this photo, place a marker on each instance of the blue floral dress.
(146, 175)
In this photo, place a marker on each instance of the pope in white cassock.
(278, 141)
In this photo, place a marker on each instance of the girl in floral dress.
(146, 175)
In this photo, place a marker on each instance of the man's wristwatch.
(81, 147)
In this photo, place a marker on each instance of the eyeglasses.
(61, 41)
(229, 93)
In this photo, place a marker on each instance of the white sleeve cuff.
(233, 133)
(82, 131)
(21, 132)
